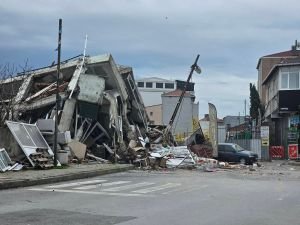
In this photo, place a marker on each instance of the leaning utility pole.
(57, 92)
(196, 68)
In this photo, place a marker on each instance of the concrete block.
(78, 149)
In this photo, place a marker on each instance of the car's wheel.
(242, 161)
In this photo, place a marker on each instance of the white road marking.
(156, 188)
(75, 184)
(186, 189)
(195, 188)
(90, 192)
(87, 187)
(113, 188)
(126, 187)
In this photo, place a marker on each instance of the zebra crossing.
(113, 188)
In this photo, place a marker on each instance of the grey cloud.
(159, 37)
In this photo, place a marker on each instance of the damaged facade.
(99, 104)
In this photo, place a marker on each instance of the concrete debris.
(97, 158)
(156, 155)
(222, 164)
(17, 167)
(78, 149)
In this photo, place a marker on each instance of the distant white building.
(187, 115)
(160, 97)
(152, 88)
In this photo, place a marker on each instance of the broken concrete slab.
(91, 88)
(67, 115)
(78, 149)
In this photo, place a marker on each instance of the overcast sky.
(158, 38)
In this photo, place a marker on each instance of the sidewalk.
(32, 177)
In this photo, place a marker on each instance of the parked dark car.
(230, 152)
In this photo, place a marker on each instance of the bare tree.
(10, 82)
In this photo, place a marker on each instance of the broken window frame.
(29, 149)
(5, 160)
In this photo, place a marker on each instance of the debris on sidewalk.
(17, 167)
(5, 160)
(78, 149)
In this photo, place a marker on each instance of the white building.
(152, 88)
(188, 112)
(160, 97)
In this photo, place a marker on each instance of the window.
(284, 80)
(159, 85)
(140, 84)
(294, 80)
(229, 148)
(151, 113)
(169, 85)
(289, 78)
(221, 148)
(149, 84)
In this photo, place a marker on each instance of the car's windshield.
(238, 148)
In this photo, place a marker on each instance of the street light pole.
(57, 92)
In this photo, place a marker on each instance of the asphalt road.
(141, 197)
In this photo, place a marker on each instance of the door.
(230, 154)
(221, 152)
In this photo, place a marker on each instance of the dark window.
(229, 148)
(159, 85)
(221, 148)
(151, 113)
(140, 84)
(149, 84)
(169, 85)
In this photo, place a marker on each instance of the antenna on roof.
(296, 46)
(85, 44)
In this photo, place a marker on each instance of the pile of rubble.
(100, 112)
(101, 117)
(158, 157)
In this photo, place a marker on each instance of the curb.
(61, 178)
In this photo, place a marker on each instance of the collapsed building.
(99, 105)
(100, 116)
